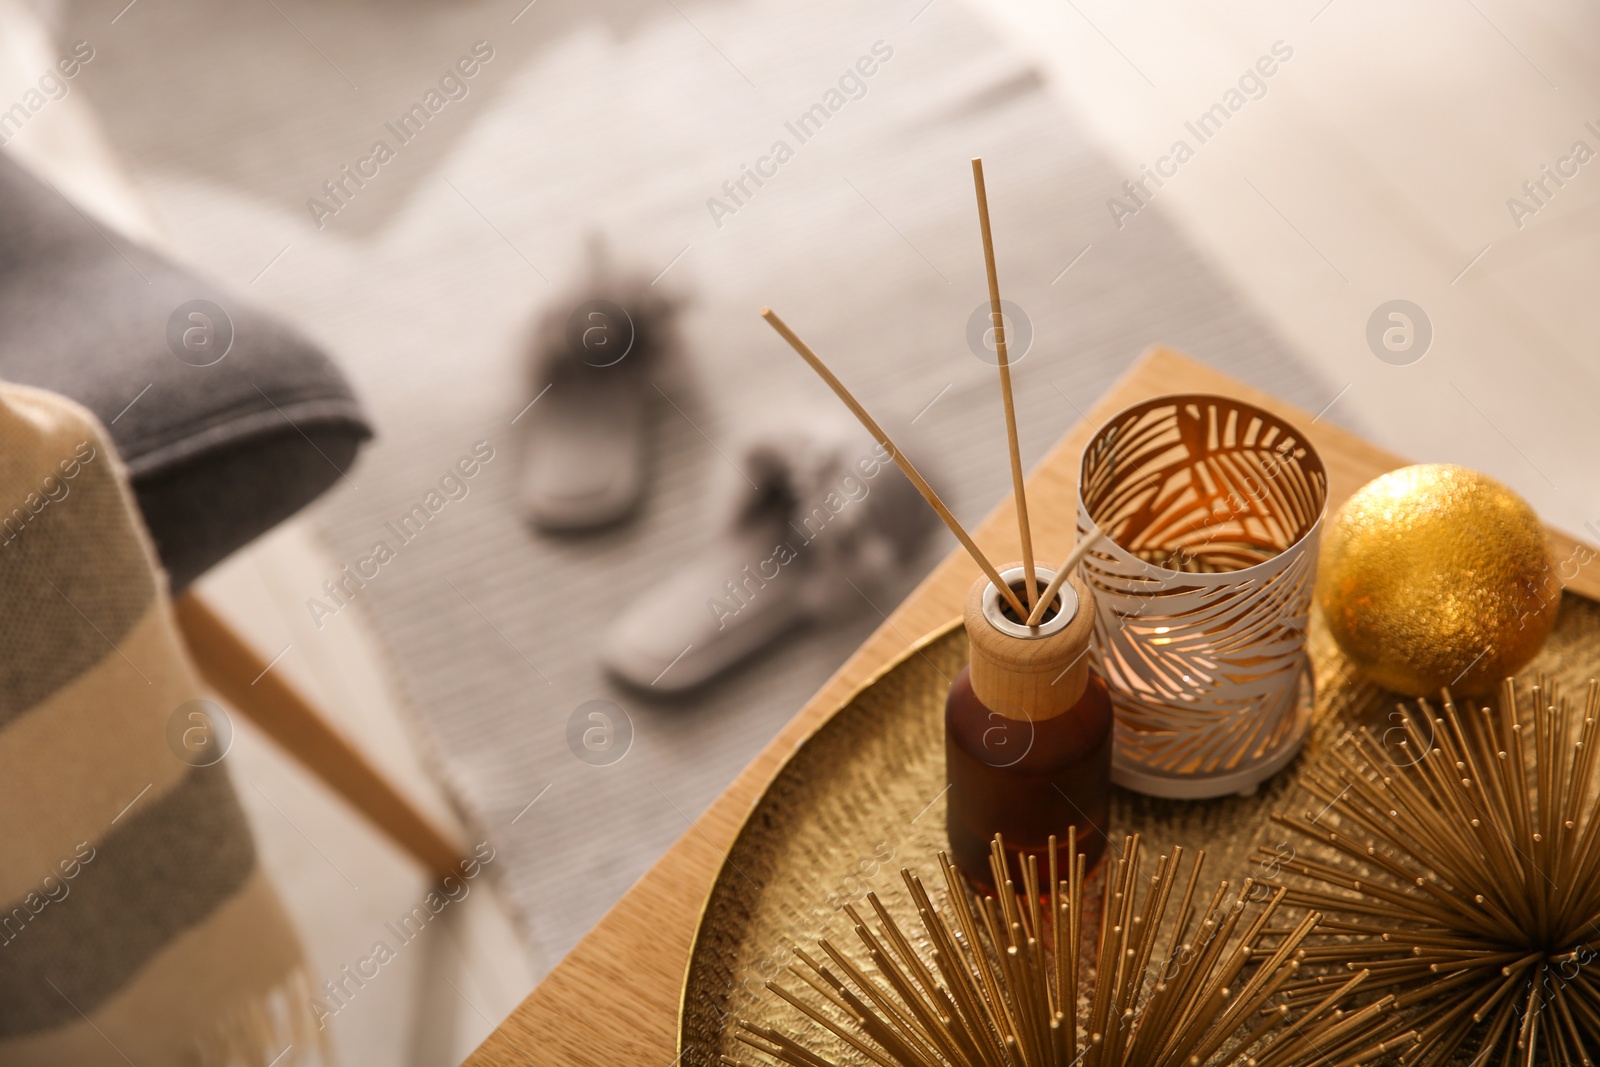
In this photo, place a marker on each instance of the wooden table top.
(614, 998)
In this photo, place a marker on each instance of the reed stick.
(899, 458)
(1063, 572)
(997, 319)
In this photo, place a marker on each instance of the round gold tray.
(863, 797)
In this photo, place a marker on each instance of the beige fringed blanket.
(136, 925)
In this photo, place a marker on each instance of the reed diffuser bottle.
(1028, 731)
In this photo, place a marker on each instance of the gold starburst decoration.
(997, 981)
(1464, 875)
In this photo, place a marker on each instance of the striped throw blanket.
(136, 925)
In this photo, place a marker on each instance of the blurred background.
(1378, 161)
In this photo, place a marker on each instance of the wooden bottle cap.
(1023, 672)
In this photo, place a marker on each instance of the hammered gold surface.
(1435, 575)
(863, 797)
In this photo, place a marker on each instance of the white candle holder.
(1211, 511)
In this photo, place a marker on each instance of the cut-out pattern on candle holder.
(1211, 510)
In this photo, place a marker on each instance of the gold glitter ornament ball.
(1434, 576)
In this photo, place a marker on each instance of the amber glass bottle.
(1028, 732)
